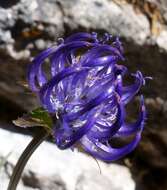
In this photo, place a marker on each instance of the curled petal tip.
(60, 41)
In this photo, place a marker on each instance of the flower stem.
(41, 135)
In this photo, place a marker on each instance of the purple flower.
(85, 92)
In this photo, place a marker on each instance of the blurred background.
(29, 26)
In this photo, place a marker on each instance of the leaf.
(37, 117)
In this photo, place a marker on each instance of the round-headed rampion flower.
(83, 89)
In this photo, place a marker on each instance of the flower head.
(84, 90)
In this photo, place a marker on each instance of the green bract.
(37, 117)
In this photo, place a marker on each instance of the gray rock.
(24, 19)
(162, 40)
(50, 168)
(107, 15)
(115, 17)
(38, 181)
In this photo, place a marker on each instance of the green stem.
(41, 135)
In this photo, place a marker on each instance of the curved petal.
(102, 97)
(42, 79)
(46, 90)
(31, 74)
(65, 138)
(98, 51)
(129, 92)
(106, 133)
(99, 85)
(102, 61)
(34, 67)
(107, 153)
(80, 36)
(129, 129)
(79, 78)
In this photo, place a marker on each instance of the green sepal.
(43, 116)
(37, 117)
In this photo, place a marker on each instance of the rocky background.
(29, 26)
